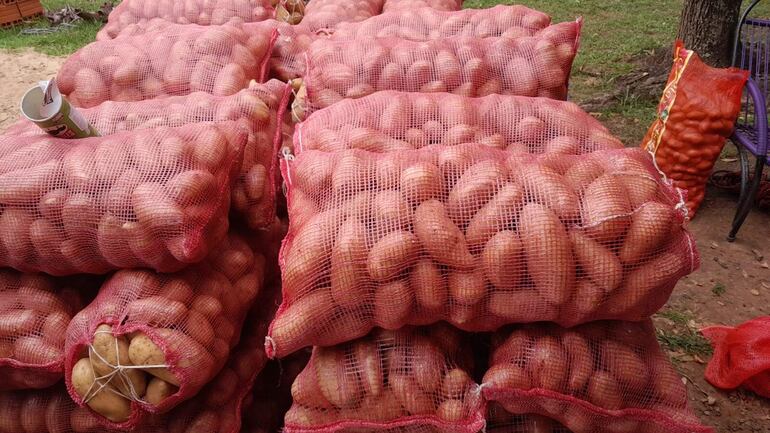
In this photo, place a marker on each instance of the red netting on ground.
(327, 14)
(389, 121)
(467, 66)
(262, 106)
(476, 236)
(500, 421)
(34, 313)
(405, 380)
(202, 12)
(270, 399)
(177, 329)
(155, 198)
(177, 60)
(288, 57)
(696, 116)
(426, 24)
(216, 409)
(411, 5)
(596, 378)
(741, 356)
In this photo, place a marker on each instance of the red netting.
(426, 24)
(178, 60)
(202, 12)
(327, 14)
(178, 328)
(103, 203)
(741, 356)
(596, 378)
(401, 121)
(476, 236)
(696, 116)
(469, 66)
(405, 380)
(411, 5)
(216, 409)
(34, 313)
(288, 57)
(500, 421)
(261, 105)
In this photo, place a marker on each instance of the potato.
(549, 255)
(199, 328)
(640, 189)
(143, 351)
(348, 269)
(109, 352)
(606, 209)
(391, 211)
(297, 323)
(155, 209)
(311, 243)
(441, 238)
(17, 322)
(155, 311)
(409, 394)
(55, 328)
(14, 225)
(583, 173)
(604, 391)
(306, 391)
(338, 383)
(456, 383)
(102, 400)
(650, 226)
(467, 288)
(420, 182)
(159, 390)
(383, 408)
(427, 365)
(580, 362)
(368, 358)
(89, 88)
(498, 214)
(545, 186)
(474, 189)
(451, 411)
(646, 286)
(627, 366)
(508, 377)
(392, 254)
(36, 351)
(517, 306)
(429, 286)
(548, 364)
(393, 304)
(598, 262)
(503, 260)
(588, 299)
(21, 186)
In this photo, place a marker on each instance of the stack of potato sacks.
(438, 184)
(140, 267)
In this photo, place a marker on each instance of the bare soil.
(18, 73)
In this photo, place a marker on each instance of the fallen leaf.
(711, 401)
(721, 304)
(765, 265)
(745, 274)
(714, 245)
(721, 263)
(757, 254)
(699, 360)
(729, 159)
(766, 285)
(755, 292)
(684, 380)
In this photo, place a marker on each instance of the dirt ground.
(18, 73)
(740, 270)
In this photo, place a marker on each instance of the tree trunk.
(708, 26)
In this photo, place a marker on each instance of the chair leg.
(743, 156)
(747, 203)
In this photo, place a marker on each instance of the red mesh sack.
(202, 12)
(405, 380)
(388, 121)
(327, 14)
(178, 60)
(288, 56)
(262, 106)
(444, 5)
(102, 203)
(170, 331)
(741, 356)
(426, 24)
(216, 409)
(500, 421)
(475, 236)
(596, 378)
(696, 115)
(34, 313)
(526, 66)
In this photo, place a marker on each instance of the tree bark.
(708, 26)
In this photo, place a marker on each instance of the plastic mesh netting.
(327, 14)
(444, 5)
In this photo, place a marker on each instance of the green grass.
(682, 337)
(61, 43)
(719, 289)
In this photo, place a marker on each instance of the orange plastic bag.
(696, 115)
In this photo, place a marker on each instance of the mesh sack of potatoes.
(326, 14)
(427, 23)
(270, 398)
(411, 5)
(216, 409)
(262, 106)
(155, 198)
(527, 66)
(35, 310)
(413, 379)
(476, 236)
(388, 121)
(201, 12)
(170, 332)
(599, 377)
(288, 55)
(177, 60)
(501, 421)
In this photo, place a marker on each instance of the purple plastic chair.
(751, 51)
